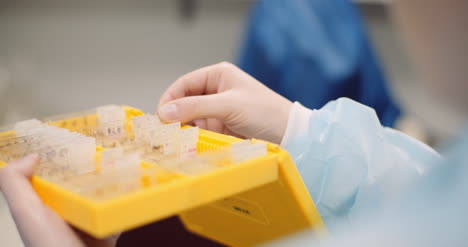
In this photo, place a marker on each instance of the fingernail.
(169, 112)
(32, 156)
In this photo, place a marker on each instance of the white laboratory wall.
(56, 59)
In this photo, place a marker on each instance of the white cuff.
(298, 123)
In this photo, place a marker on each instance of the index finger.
(199, 82)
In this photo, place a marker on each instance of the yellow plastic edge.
(102, 218)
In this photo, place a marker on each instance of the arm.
(348, 161)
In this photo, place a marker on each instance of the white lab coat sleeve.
(348, 161)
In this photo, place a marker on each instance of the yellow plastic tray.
(239, 205)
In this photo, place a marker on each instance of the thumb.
(24, 167)
(14, 179)
(37, 224)
(18, 170)
(186, 109)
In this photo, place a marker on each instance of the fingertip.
(26, 165)
(32, 157)
(169, 112)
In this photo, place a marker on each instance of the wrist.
(279, 127)
(297, 123)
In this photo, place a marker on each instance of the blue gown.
(375, 186)
(314, 51)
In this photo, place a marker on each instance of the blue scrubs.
(314, 51)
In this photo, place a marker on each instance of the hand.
(225, 99)
(37, 224)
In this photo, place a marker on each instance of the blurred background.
(57, 58)
(65, 56)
